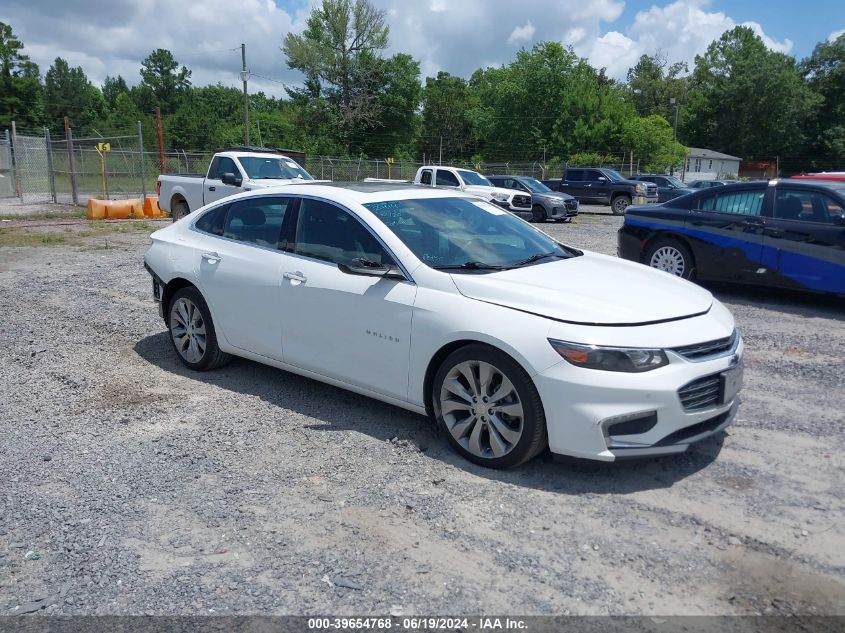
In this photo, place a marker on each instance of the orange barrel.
(96, 209)
(151, 208)
(118, 209)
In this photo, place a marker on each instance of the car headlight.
(640, 188)
(626, 359)
(501, 197)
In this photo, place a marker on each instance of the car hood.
(489, 191)
(551, 196)
(591, 289)
(263, 183)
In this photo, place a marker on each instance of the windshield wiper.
(471, 266)
(539, 256)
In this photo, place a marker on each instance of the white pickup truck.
(472, 182)
(230, 172)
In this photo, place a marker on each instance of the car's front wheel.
(538, 213)
(619, 204)
(670, 256)
(192, 331)
(489, 407)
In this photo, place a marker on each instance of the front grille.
(522, 201)
(710, 348)
(702, 393)
(651, 189)
(571, 204)
(696, 429)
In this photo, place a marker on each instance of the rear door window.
(257, 221)
(447, 178)
(212, 221)
(425, 178)
(575, 175)
(736, 203)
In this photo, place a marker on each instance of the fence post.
(15, 157)
(12, 170)
(141, 161)
(69, 140)
(50, 171)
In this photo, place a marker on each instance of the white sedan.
(446, 305)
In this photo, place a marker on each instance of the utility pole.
(244, 77)
(440, 162)
(160, 137)
(674, 103)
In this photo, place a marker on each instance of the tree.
(20, 86)
(338, 53)
(447, 101)
(68, 93)
(652, 140)
(112, 87)
(748, 100)
(164, 83)
(653, 82)
(824, 72)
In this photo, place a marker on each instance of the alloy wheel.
(187, 327)
(482, 409)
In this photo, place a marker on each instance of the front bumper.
(611, 415)
(566, 211)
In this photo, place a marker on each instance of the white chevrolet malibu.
(449, 306)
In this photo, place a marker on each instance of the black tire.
(179, 210)
(538, 213)
(211, 357)
(533, 438)
(619, 204)
(683, 255)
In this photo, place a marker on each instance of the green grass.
(87, 236)
(46, 215)
(21, 237)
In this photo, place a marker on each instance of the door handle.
(297, 276)
(211, 258)
(212, 188)
(773, 233)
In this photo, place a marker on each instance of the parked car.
(447, 305)
(668, 187)
(545, 203)
(229, 172)
(838, 176)
(603, 186)
(784, 233)
(706, 184)
(470, 181)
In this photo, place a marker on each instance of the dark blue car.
(784, 233)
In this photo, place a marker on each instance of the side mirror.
(367, 268)
(231, 179)
(602, 179)
(838, 220)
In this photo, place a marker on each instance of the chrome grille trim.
(709, 350)
(702, 393)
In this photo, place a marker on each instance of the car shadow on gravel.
(789, 301)
(336, 409)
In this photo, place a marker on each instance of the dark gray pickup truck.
(598, 185)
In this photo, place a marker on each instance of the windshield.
(614, 175)
(265, 167)
(676, 181)
(474, 178)
(535, 185)
(465, 234)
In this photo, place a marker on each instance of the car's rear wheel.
(192, 331)
(179, 210)
(488, 407)
(670, 256)
(619, 204)
(538, 213)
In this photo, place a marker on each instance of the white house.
(705, 164)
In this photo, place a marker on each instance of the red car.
(825, 175)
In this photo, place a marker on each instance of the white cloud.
(111, 37)
(681, 30)
(522, 33)
(835, 35)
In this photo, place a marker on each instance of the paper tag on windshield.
(489, 207)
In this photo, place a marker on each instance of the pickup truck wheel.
(670, 256)
(619, 204)
(538, 213)
(192, 331)
(179, 211)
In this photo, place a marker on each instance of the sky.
(111, 37)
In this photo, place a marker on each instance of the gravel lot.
(129, 485)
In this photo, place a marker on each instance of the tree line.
(547, 104)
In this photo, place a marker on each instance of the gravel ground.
(130, 485)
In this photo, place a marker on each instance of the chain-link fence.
(7, 176)
(37, 168)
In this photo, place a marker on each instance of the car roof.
(358, 192)
(507, 176)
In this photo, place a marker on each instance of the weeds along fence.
(37, 167)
